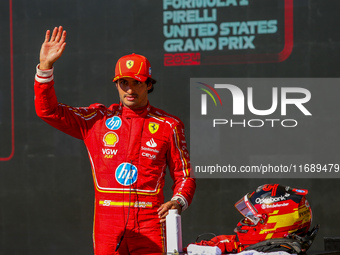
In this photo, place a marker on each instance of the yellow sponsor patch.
(129, 64)
(110, 139)
(153, 127)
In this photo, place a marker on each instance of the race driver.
(129, 144)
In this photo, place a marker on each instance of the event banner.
(207, 32)
(265, 127)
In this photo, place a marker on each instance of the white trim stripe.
(44, 80)
(44, 76)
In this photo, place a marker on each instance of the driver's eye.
(122, 82)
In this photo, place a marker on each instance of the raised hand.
(52, 48)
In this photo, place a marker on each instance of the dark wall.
(46, 189)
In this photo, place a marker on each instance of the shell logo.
(110, 139)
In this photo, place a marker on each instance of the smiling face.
(133, 93)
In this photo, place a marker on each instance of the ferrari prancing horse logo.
(129, 64)
(153, 127)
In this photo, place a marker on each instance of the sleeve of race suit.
(180, 169)
(73, 121)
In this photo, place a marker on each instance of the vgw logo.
(238, 105)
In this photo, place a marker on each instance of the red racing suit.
(129, 152)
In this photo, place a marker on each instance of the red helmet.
(273, 211)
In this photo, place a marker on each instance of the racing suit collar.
(135, 113)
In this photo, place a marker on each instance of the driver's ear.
(149, 86)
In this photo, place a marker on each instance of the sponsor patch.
(270, 200)
(148, 155)
(265, 206)
(110, 139)
(126, 174)
(113, 123)
(153, 127)
(109, 153)
(149, 149)
(151, 143)
(129, 64)
(140, 204)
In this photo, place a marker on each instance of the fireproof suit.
(129, 152)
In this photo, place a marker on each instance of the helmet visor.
(245, 207)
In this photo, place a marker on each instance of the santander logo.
(151, 143)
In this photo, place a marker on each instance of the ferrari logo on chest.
(153, 127)
(129, 64)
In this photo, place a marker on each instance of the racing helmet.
(273, 211)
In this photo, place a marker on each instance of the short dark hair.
(152, 81)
